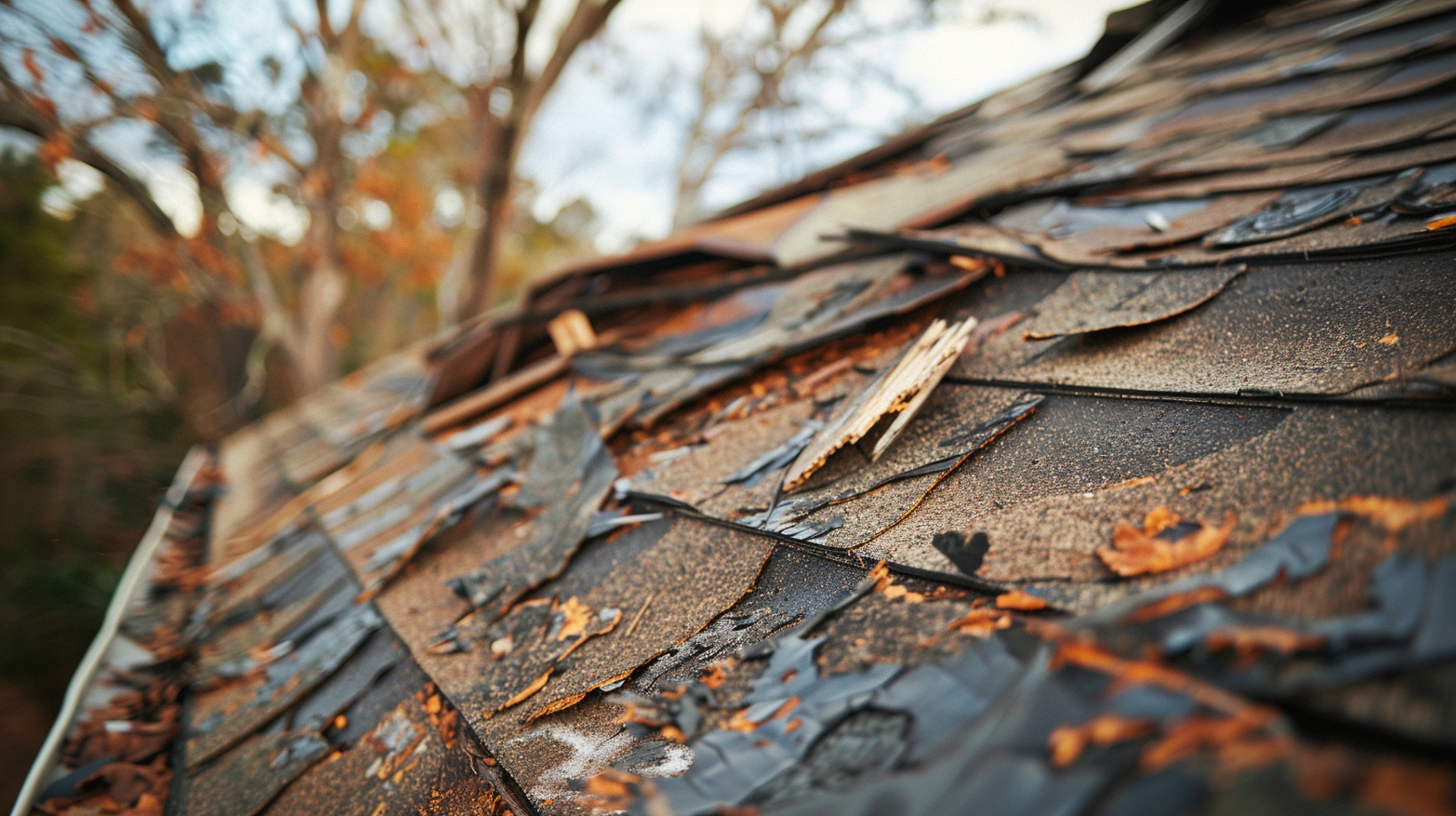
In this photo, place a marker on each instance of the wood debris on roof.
(1086, 451)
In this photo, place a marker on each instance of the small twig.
(643, 611)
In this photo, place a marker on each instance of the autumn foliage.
(329, 198)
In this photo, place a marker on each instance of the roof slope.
(1088, 451)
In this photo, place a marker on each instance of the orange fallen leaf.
(897, 592)
(1392, 514)
(1200, 732)
(1137, 552)
(1252, 753)
(789, 705)
(738, 723)
(1441, 223)
(1250, 643)
(611, 791)
(1130, 673)
(714, 677)
(885, 584)
(1133, 482)
(1173, 603)
(1021, 601)
(1068, 741)
(557, 705)
(982, 622)
(1160, 519)
(576, 617)
(1406, 787)
(1323, 772)
(967, 263)
(1389, 339)
(536, 685)
(881, 573)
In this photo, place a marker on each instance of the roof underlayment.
(1088, 451)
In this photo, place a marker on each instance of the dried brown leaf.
(1138, 552)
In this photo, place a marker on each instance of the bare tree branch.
(755, 84)
(587, 20)
(18, 111)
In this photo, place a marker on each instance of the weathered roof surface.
(1089, 451)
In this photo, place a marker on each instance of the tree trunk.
(501, 143)
(502, 136)
(317, 361)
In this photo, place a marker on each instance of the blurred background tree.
(389, 157)
(779, 86)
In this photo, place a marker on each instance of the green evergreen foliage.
(80, 468)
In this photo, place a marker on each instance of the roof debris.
(1095, 301)
(751, 519)
(901, 389)
(569, 461)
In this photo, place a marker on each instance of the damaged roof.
(1087, 451)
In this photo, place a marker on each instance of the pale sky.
(592, 140)
(588, 143)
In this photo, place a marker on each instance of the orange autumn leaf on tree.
(395, 244)
(55, 149)
(146, 108)
(64, 49)
(32, 66)
(45, 107)
(1137, 551)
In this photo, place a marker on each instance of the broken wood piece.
(494, 395)
(503, 390)
(571, 332)
(942, 355)
(903, 389)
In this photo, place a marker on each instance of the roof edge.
(131, 581)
